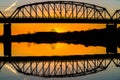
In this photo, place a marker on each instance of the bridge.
(64, 66)
(57, 12)
(61, 12)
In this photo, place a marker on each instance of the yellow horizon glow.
(50, 27)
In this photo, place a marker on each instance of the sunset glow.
(56, 49)
(48, 27)
(31, 28)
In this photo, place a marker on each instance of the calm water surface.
(8, 72)
(55, 49)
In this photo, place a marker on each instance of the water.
(1, 49)
(8, 72)
(55, 49)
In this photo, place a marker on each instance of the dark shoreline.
(95, 37)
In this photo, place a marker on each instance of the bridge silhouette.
(64, 66)
(59, 12)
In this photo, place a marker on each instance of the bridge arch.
(61, 9)
(61, 68)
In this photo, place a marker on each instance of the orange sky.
(32, 49)
(49, 27)
(32, 28)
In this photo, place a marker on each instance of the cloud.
(11, 69)
(11, 6)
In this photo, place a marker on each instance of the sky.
(11, 5)
(8, 7)
(111, 5)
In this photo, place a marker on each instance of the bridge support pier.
(111, 47)
(7, 39)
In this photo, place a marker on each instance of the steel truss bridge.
(66, 66)
(61, 12)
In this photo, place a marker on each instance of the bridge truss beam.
(2, 63)
(69, 66)
(117, 62)
(116, 15)
(64, 68)
(1, 15)
(61, 10)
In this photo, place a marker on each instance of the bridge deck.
(51, 58)
(50, 20)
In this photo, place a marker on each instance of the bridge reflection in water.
(66, 66)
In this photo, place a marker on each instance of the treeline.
(95, 37)
(101, 37)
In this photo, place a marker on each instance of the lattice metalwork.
(1, 15)
(2, 63)
(117, 62)
(116, 15)
(61, 68)
(61, 10)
